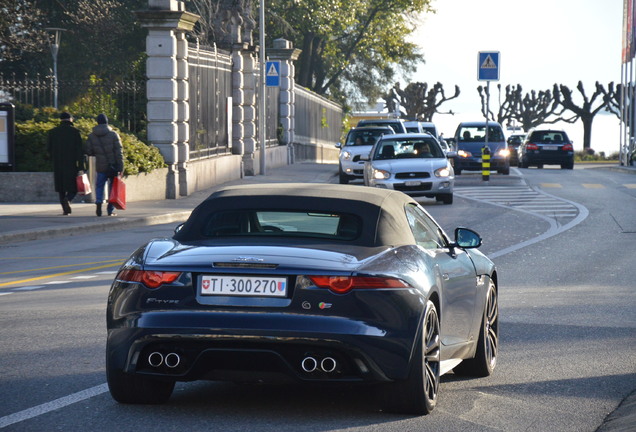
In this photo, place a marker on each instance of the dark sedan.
(313, 283)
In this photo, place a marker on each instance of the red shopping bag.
(118, 194)
(83, 185)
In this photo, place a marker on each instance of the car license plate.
(412, 183)
(249, 286)
(550, 147)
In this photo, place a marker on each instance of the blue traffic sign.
(488, 66)
(272, 74)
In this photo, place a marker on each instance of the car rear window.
(282, 223)
(548, 137)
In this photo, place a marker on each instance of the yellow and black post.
(485, 163)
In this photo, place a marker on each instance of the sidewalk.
(23, 222)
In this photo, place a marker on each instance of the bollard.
(485, 163)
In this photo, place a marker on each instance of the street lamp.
(55, 46)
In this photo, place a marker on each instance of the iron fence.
(125, 99)
(318, 120)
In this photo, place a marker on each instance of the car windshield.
(407, 148)
(548, 137)
(257, 223)
(365, 137)
(478, 133)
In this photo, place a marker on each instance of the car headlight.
(504, 152)
(464, 153)
(379, 174)
(442, 172)
(346, 155)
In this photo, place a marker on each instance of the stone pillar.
(285, 52)
(167, 89)
(244, 87)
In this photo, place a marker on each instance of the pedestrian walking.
(104, 143)
(65, 150)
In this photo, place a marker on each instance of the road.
(563, 242)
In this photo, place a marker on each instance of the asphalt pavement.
(25, 222)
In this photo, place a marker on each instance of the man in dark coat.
(66, 151)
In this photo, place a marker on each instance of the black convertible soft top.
(381, 211)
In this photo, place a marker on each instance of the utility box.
(7, 137)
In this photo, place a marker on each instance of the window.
(426, 232)
(283, 223)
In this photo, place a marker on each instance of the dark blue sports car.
(315, 283)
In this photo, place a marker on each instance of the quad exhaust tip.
(311, 364)
(171, 360)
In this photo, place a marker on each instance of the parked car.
(546, 147)
(358, 143)
(412, 163)
(396, 124)
(514, 141)
(430, 128)
(470, 138)
(317, 283)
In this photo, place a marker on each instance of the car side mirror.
(338, 145)
(364, 158)
(466, 238)
(451, 154)
(178, 227)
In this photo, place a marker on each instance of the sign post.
(487, 70)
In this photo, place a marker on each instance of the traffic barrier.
(485, 163)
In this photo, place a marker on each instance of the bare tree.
(217, 18)
(586, 111)
(21, 30)
(418, 101)
(505, 111)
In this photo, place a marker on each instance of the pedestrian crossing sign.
(488, 66)
(272, 74)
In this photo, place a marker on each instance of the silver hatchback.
(412, 163)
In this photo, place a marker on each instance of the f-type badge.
(248, 259)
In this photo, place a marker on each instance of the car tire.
(505, 171)
(458, 171)
(445, 198)
(567, 165)
(344, 179)
(135, 389)
(485, 360)
(523, 163)
(418, 393)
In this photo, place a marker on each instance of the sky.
(541, 42)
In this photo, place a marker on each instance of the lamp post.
(55, 46)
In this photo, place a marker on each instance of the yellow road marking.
(22, 281)
(593, 186)
(551, 185)
(630, 186)
(62, 266)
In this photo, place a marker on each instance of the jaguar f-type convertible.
(315, 283)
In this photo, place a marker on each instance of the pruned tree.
(217, 17)
(615, 97)
(505, 110)
(587, 110)
(417, 100)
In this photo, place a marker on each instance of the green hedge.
(31, 154)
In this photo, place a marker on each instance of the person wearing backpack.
(104, 143)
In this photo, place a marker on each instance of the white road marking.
(52, 406)
(83, 277)
(5, 293)
(28, 288)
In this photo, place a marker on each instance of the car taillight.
(567, 147)
(150, 278)
(531, 146)
(344, 284)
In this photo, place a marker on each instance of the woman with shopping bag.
(104, 143)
